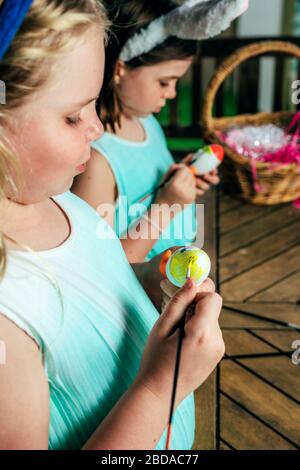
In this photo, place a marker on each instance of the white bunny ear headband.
(195, 19)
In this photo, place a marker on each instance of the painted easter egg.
(208, 159)
(188, 259)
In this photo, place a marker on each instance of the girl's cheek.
(71, 141)
(74, 135)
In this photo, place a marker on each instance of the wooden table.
(252, 399)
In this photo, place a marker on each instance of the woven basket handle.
(231, 63)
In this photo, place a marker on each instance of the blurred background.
(261, 84)
(251, 231)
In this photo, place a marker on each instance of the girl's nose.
(95, 131)
(170, 93)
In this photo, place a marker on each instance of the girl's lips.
(81, 168)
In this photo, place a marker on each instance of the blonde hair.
(50, 29)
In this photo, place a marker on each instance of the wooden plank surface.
(246, 431)
(250, 283)
(243, 213)
(259, 388)
(260, 251)
(224, 446)
(272, 407)
(243, 343)
(257, 228)
(206, 395)
(276, 311)
(281, 340)
(287, 290)
(228, 204)
(278, 371)
(230, 320)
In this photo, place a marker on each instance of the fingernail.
(189, 283)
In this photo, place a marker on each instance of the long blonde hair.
(50, 29)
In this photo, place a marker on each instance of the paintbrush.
(163, 184)
(201, 163)
(177, 362)
(260, 317)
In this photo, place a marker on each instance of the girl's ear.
(119, 71)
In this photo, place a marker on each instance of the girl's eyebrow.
(80, 105)
(170, 78)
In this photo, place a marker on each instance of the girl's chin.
(145, 114)
(64, 188)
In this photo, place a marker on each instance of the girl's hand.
(203, 182)
(181, 189)
(202, 348)
(169, 290)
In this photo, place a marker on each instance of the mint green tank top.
(93, 346)
(138, 169)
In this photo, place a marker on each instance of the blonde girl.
(89, 362)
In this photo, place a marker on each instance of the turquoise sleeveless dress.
(138, 168)
(93, 344)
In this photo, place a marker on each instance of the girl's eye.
(163, 84)
(73, 121)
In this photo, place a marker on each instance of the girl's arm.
(136, 422)
(24, 392)
(179, 192)
(97, 186)
(149, 230)
(139, 418)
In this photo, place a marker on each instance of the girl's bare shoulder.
(97, 185)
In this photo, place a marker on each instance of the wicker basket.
(277, 185)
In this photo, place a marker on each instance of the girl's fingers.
(202, 185)
(212, 179)
(187, 172)
(170, 290)
(184, 176)
(180, 172)
(177, 166)
(207, 286)
(193, 173)
(207, 312)
(188, 158)
(173, 169)
(176, 308)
